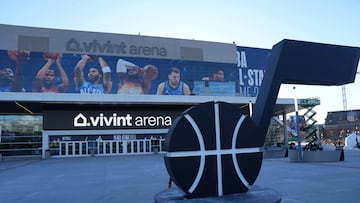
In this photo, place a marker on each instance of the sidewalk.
(313, 181)
(137, 178)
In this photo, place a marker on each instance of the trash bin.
(47, 153)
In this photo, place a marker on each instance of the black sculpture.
(214, 149)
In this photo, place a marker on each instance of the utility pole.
(343, 89)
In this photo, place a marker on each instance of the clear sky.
(258, 24)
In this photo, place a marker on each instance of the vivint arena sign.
(108, 119)
(125, 121)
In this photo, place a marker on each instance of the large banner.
(251, 64)
(25, 71)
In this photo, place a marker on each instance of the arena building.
(73, 93)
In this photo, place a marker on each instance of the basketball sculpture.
(214, 149)
(218, 156)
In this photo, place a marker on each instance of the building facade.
(340, 124)
(75, 93)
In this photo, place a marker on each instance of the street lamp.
(250, 108)
(297, 124)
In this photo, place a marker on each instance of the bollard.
(342, 155)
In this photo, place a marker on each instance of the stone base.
(256, 194)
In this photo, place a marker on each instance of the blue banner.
(251, 65)
(24, 71)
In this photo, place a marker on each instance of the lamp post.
(250, 108)
(297, 124)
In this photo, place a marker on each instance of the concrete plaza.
(137, 178)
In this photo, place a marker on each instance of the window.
(20, 135)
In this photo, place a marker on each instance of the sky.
(258, 24)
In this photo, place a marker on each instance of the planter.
(293, 154)
(274, 153)
(321, 156)
(317, 156)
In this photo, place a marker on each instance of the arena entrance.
(102, 142)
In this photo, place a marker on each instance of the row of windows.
(20, 135)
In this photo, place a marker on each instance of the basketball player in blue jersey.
(93, 84)
(11, 81)
(173, 86)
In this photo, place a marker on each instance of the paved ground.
(137, 178)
